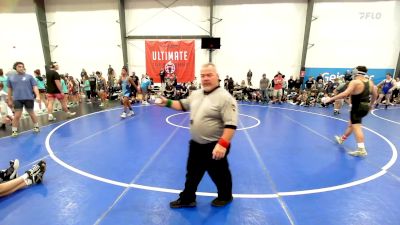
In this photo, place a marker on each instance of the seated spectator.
(320, 86)
(329, 87)
(170, 91)
(243, 84)
(6, 115)
(192, 87)
(178, 88)
(185, 90)
(311, 100)
(309, 83)
(303, 98)
(297, 85)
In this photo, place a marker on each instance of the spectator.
(22, 91)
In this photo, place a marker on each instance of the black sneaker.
(36, 173)
(12, 172)
(219, 203)
(181, 204)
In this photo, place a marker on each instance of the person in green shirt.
(3, 79)
(42, 89)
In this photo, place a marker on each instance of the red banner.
(174, 57)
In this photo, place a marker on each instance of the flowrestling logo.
(370, 15)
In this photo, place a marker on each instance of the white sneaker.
(359, 152)
(101, 105)
(70, 114)
(51, 117)
(123, 115)
(130, 113)
(339, 140)
(36, 129)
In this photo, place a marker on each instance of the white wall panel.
(86, 34)
(264, 36)
(184, 17)
(149, 17)
(20, 38)
(347, 34)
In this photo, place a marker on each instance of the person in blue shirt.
(125, 83)
(144, 85)
(22, 92)
(387, 86)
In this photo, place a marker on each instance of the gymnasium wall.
(86, 34)
(265, 36)
(144, 18)
(347, 34)
(19, 36)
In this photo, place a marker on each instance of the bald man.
(213, 122)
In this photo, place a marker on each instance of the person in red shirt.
(278, 84)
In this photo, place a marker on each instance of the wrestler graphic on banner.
(170, 76)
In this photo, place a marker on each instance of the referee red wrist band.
(224, 143)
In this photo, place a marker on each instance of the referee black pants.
(199, 161)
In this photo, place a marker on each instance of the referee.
(213, 121)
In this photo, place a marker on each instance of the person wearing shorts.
(102, 87)
(359, 89)
(339, 102)
(388, 85)
(278, 92)
(22, 91)
(125, 82)
(144, 86)
(54, 91)
(73, 91)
